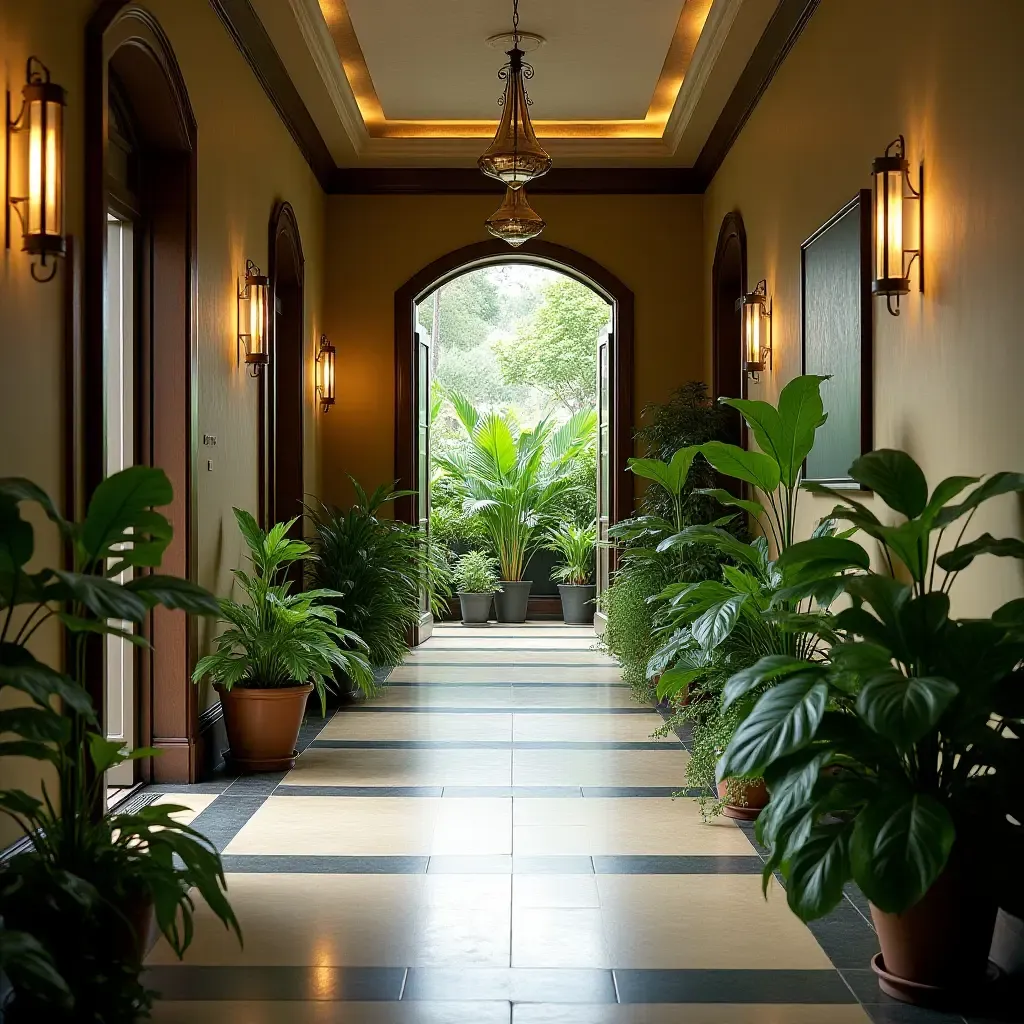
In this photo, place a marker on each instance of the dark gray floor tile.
(225, 817)
(903, 1013)
(676, 865)
(633, 791)
(847, 939)
(210, 786)
(341, 791)
(363, 984)
(517, 984)
(731, 986)
(316, 865)
(253, 785)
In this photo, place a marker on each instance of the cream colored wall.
(376, 243)
(247, 161)
(948, 371)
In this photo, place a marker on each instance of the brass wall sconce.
(756, 310)
(38, 196)
(892, 190)
(325, 359)
(254, 318)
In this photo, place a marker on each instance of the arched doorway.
(728, 283)
(139, 351)
(281, 399)
(615, 399)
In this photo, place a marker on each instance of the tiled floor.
(494, 840)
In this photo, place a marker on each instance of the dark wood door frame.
(728, 283)
(537, 253)
(283, 391)
(126, 39)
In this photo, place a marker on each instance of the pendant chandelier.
(515, 156)
(515, 221)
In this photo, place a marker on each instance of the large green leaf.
(945, 491)
(174, 592)
(745, 554)
(801, 413)
(669, 475)
(818, 870)
(711, 628)
(724, 497)
(895, 477)
(17, 540)
(901, 842)
(834, 549)
(791, 781)
(902, 708)
(42, 724)
(752, 467)
(993, 486)
(784, 719)
(675, 680)
(20, 671)
(30, 969)
(104, 598)
(766, 426)
(119, 514)
(771, 666)
(962, 556)
(18, 489)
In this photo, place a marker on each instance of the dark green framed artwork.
(837, 333)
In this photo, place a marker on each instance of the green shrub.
(476, 573)
(575, 546)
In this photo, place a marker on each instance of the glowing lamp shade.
(892, 191)
(325, 360)
(39, 203)
(755, 309)
(254, 318)
(515, 221)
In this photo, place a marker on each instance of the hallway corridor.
(493, 840)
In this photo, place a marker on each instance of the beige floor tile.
(548, 937)
(410, 726)
(441, 696)
(703, 922)
(563, 892)
(571, 697)
(330, 826)
(195, 803)
(621, 826)
(408, 1012)
(322, 766)
(509, 643)
(589, 728)
(599, 767)
(689, 1013)
(441, 674)
(354, 921)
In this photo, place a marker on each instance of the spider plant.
(278, 638)
(514, 478)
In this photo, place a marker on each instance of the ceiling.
(413, 83)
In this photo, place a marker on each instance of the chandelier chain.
(515, 23)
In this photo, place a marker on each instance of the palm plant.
(575, 545)
(281, 639)
(514, 479)
(378, 567)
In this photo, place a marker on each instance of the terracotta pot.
(133, 940)
(263, 725)
(940, 946)
(755, 795)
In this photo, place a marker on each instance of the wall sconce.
(254, 318)
(41, 208)
(891, 175)
(325, 373)
(756, 309)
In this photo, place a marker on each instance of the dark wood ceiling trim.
(252, 39)
(559, 181)
(781, 32)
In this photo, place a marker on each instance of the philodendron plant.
(74, 901)
(903, 744)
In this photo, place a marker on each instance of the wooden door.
(605, 469)
(422, 407)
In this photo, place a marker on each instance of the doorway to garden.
(514, 422)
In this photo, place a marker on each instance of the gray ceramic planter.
(512, 601)
(476, 608)
(578, 603)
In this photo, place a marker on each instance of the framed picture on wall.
(837, 332)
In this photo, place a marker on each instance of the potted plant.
(277, 649)
(379, 567)
(77, 904)
(476, 582)
(897, 762)
(575, 546)
(514, 480)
